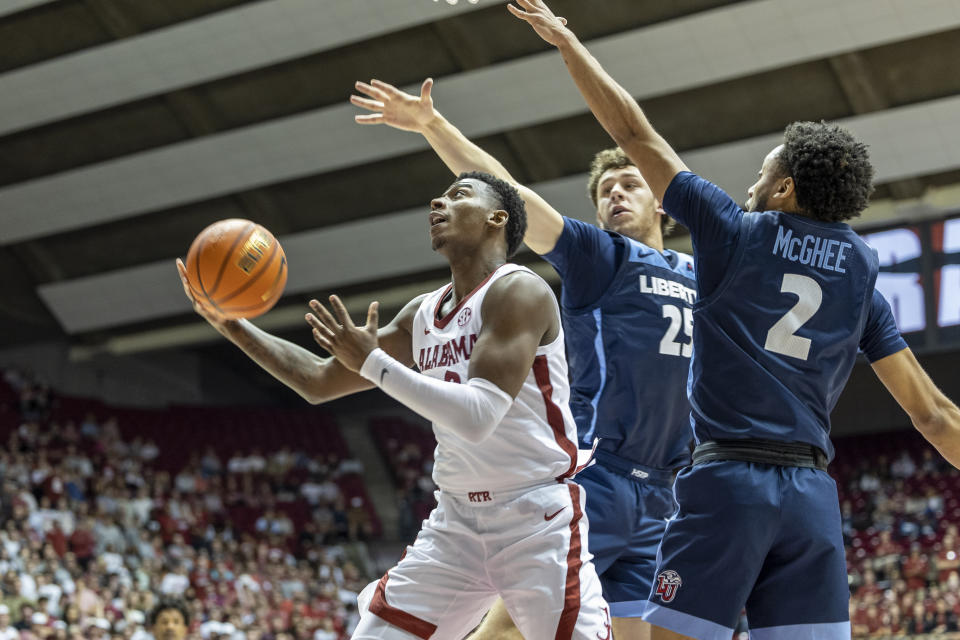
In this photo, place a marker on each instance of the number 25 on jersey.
(669, 346)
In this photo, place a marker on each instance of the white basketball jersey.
(536, 441)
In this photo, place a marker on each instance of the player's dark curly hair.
(511, 202)
(167, 604)
(615, 158)
(830, 168)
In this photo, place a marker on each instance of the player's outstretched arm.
(400, 110)
(611, 104)
(932, 413)
(314, 378)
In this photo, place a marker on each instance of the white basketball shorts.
(528, 547)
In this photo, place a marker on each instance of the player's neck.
(653, 239)
(468, 273)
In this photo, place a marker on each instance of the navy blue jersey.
(785, 302)
(627, 313)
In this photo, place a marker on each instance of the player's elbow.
(937, 424)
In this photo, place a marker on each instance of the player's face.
(462, 215)
(170, 625)
(625, 203)
(758, 196)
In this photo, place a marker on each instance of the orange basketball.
(238, 267)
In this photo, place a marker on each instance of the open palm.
(393, 107)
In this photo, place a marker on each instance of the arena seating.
(255, 514)
(105, 509)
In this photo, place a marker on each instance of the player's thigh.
(659, 633)
(440, 585)
(631, 629)
(545, 577)
(497, 625)
(626, 583)
(803, 583)
(714, 548)
(612, 509)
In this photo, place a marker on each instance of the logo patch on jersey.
(479, 496)
(606, 624)
(639, 473)
(668, 583)
(464, 317)
(553, 515)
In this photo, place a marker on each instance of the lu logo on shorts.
(668, 583)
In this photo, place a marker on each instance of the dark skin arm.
(518, 316)
(314, 378)
(932, 413)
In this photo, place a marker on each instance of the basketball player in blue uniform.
(786, 299)
(627, 312)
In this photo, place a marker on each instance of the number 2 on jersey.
(668, 344)
(782, 337)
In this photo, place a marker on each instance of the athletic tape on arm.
(472, 410)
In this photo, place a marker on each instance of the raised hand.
(206, 311)
(538, 15)
(393, 107)
(347, 342)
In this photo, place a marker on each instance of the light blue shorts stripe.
(628, 609)
(686, 624)
(820, 631)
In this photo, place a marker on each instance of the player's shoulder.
(409, 311)
(519, 282)
(518, 293)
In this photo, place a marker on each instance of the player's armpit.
(932, 413)
(519, 314)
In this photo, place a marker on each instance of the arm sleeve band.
(472, 411)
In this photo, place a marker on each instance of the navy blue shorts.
(755, 535)
(627, 518)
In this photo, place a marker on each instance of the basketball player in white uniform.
(493, 380)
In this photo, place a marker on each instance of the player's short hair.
(830, 168)
(615, 158)
(168, 604)
(511, 202)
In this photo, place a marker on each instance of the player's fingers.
(341, 312)
(386, 88)
(317, 325)
(526, 4)
(426, 88)
(323, 342)
(563, 21)
(187, 288)
(324, 316)
(373, 316)
(373, 118)
(371, 91)
(366, 103)
(523, 15)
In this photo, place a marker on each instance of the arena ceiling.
(127, 126)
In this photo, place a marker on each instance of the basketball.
(238, 267)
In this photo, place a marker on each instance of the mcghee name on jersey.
(670, 288)
(447, 354)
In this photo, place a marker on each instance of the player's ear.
(498, 218)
